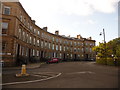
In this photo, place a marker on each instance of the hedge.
(108, 61)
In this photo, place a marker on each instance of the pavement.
(28, 66)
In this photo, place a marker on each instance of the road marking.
(31, 81)
(83, 72)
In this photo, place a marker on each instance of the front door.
(86, 58)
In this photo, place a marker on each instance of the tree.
(100, 49)
(111, 48)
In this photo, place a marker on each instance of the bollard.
(23, 72)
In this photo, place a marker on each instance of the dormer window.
(6, 10)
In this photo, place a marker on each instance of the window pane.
(7, 10)
(4, 25)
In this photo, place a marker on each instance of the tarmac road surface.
(73, 75)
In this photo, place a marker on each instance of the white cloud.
(91, 21)
(76, 7)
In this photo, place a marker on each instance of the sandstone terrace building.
(25, 42)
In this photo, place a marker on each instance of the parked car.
(53, 60)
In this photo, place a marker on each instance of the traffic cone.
(23, 72)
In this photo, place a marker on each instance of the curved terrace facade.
(24, 41)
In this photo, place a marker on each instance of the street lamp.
(104, 41)
(103, 35)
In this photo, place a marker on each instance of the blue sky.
(73, 17)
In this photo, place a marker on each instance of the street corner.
(11, 79)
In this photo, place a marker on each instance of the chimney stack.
(79, 36)
(90, 38)
(45, 29)
(33, 21)
(57, 32)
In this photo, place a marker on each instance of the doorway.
(86, 57)
(75, 57)
(64, 56)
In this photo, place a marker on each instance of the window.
(21, 18)
(42, 34)
(49, 45)
(78, 49)
(6, 10)
(67, 42)
(60, 48)
(41, 44)
(30, 27)
(30, 39)
(38, 42)
(49, 38)
(64, 48)
(46, 44)
(37, 53)
(34, 41)
(34, 30)
(26, 51)
(67, 48)
(28, 24)
(71, 49)
(90, 49)
(4, 27)
(22, 51)
(60, 55)
(19, 33)
(59, 40)
(56, 40)
(27, 38)
(24, 21)
(53, 38)
(86, 49)
(82, 44)
(33, 52)
(78, 43)
(71, 56)
(82, 55)
(23, 36)
(53, 47)
(75, 49)
(82, 49)
(75, 43)
(56, 47)
(3, 45)
(38, 32)
(91, 44)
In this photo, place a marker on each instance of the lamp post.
(104, 42)
(103, 35)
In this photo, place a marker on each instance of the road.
(73, 75)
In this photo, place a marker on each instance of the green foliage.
(114, 46)
(101, 61)
(118, 51)
(118, 62)
(110, 61)
(108, 49)
(105, 52)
